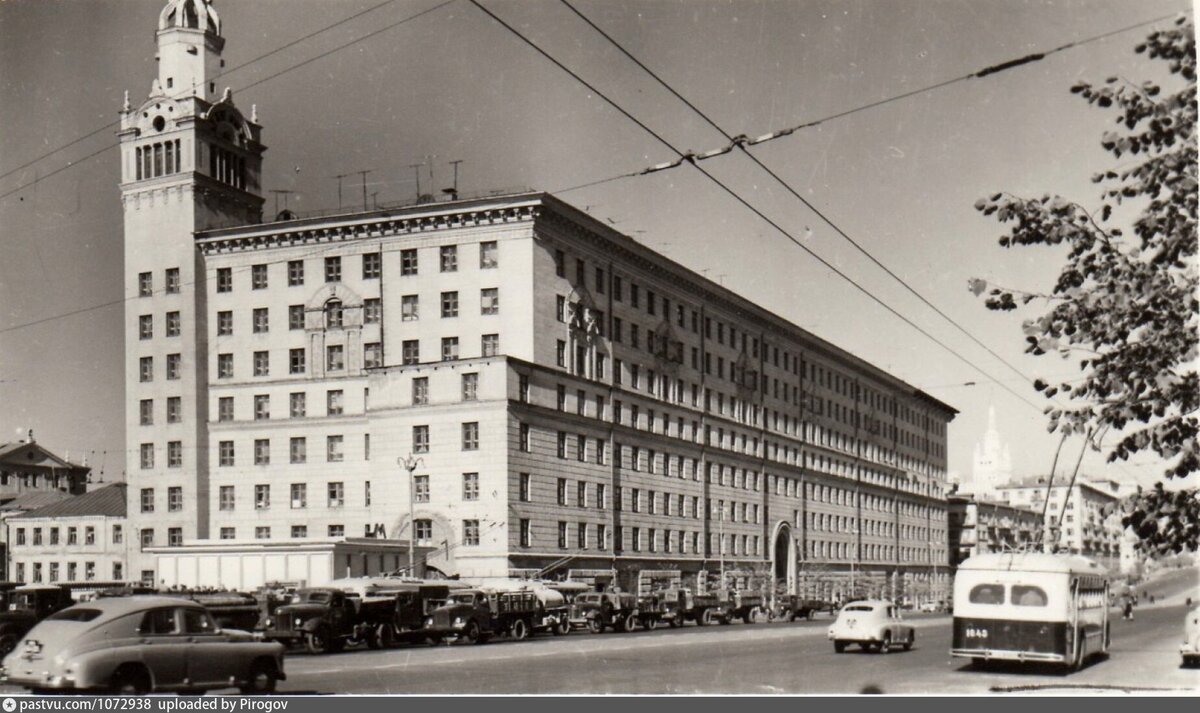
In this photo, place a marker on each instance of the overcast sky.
(900, 179)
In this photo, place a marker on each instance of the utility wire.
(267, 78)
(736, 196)
(741, 143)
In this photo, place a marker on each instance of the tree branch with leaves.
(1126, 305)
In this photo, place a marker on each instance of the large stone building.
(992, 465)
(979, 526)
(577, 401)
(78, 540)
(1084, 518)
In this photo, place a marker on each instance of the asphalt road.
(755, 659)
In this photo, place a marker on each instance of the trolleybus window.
(987, 594)
(1028, 596)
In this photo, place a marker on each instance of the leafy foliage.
(1125, 306)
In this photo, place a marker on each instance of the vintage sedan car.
(1190, 650)
(873, 624)
(135, 645)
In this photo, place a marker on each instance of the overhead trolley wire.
(736, 196)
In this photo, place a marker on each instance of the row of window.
(372, 267)
(146, 368)
(50, 572)
(158, 159)
(335, 496)
(53, 535)
(335, 450)
(335, 405)
(470, 437)
(145, 282)
(335, 360)
(334, 315)
(470, 487)
(146, 325)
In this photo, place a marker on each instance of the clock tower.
(190, 161)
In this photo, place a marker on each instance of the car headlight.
(429, 621)
(298, 622)
(458, 621)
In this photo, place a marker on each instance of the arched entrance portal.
(783, 558)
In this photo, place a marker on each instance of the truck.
(721, 606)
(790, 607)
(598, 611)
(27, 606)
(475, 616)
(326, 619)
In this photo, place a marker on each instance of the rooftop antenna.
(364, 184)
(453, 192)
(375, 200)
(339, 178)
(281, 192)
(416, 167)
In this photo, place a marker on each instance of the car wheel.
(562, 627)
(908, 643)
(650, 623)
(706, 618)
(675, 622)
(809, 614)
(372, 639)
(317, 641)
(130, 681)
(595, 626)
(725, 620)
(261, 679)
(839, 647)
(750, 615)
(8, 642)
(788, 614)
(519, 630)
(384, 636)
(628, 623)
(885, 646)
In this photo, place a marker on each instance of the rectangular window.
(420, 390)
(449, 304)
(224, 323)
(523, 488)
(262, 407)
(298, 449)
(601, 495)
(258, 277)
(262, 451)
(470, 489)
(562, 535)
(449, 348)
(174, 501)
(147, 453)
(334, 402)
(333, 269)
(470, 533)
(174, 454)
(299, 493)
(260, 322)
(599, 281)
(335, 358)
(490, 345)
(147, 501)
(372, 266)
(224, 279)
(489, 300)
(297, 361)
(449, 258)
(145, 284)
(523, 438)
(336, 492)
(295, 273)
(224, 366)
(410, 308)
(562, 445)
(226, 500)
(372, 310)
(225, 408)
(601, 536)
(297, 404)
(372, 355)
(146, 412)
(334, 452)
(420, 439)
(410, 352)
(262, 363)
(262, 497)
(470, 386)
(488, 255)
(173, 324)
(421, 488)
(146, 369)
(173, 365)
(299, 532)
(470, 436)
(262, 532)
(560, 353)
(408, 262)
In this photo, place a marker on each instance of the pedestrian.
(1129, 608)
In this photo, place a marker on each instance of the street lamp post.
(410, 464)
(853, 561)
(934, 582)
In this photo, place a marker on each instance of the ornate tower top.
(189, 49)
(190, 14)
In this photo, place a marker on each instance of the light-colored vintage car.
(139, 644)
(1190, 649)
(873, 624)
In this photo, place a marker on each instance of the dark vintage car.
(27, 606)
(138, 645)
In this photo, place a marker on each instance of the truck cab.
(325, 619)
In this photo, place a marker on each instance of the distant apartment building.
(32, 477)
(978, 526)
(78, 540)
(1084, 518)
(569, 400)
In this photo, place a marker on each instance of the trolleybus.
(1030, 607)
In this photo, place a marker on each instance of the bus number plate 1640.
(974, 633)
